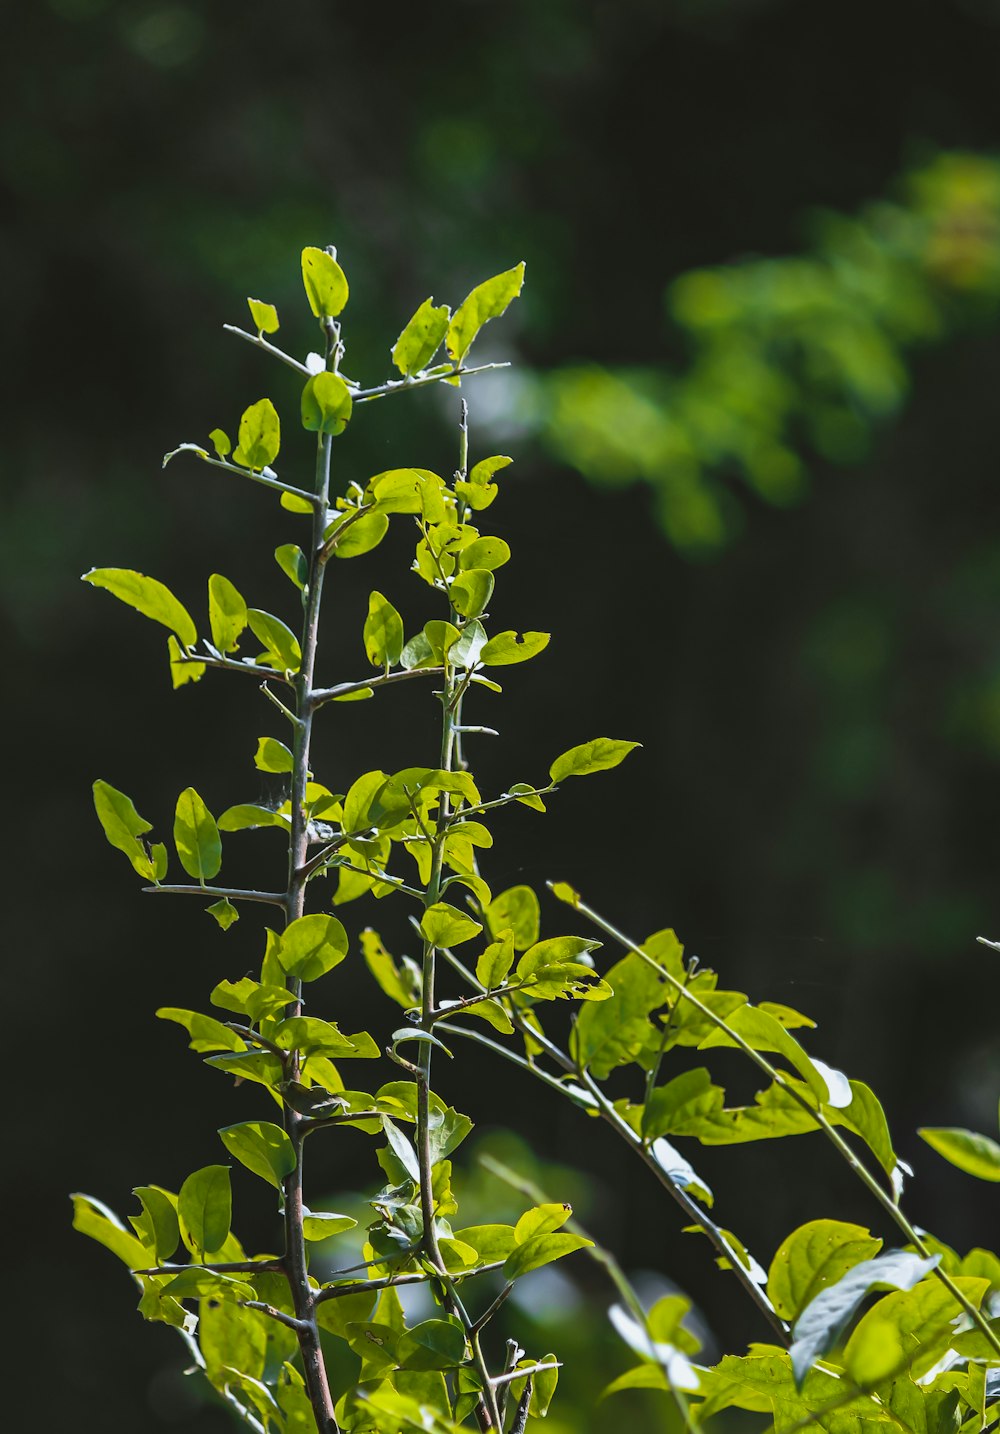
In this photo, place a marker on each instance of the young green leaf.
(260, 436)
(205, 1210)
(444, 925)
(292, 562)
(182, 670)
(207, 1034)
(326, 404)
(541, 1250)
(281, 644)
(977, 1155)
(325, 283)
(312, 945)
(157, 1226)
(470, 592)
(507, 648)
(390, 977)
(496, 961)
(362, 536)
(247, 815)
(224, 912)
(487, 301)
(262, 1147)
(196, 837)
(227, 613)
(265, 316)
(123, 826)
(612, 1033)
(147, 596)
(433, 1344)
(272, 756)
(92, 1217)
(515, 909)
(487, 553)
(813, 1257)
(220, 441)
(421, 338)
(383, 632)
(597, 756)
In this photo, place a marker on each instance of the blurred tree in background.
(812, 191)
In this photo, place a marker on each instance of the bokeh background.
(754, 414)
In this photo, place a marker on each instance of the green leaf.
(517, 910)
(540, 1250)
(91, 1217)
(496, 961)
(272, 756)
(470, 592)
(265, 316)
(433, 1344)
(220, 441)
(147, 596)
(157, 1226)
(487, 301)
(596, 756)
(313, 1037)
(487, 553)
(541, 1220)
(444, 925)
(227, 613)
(672, 1108)
(123, 826)
(247, 816)
(507, 648)
(421, 338)
(224, 912)
(362, 536)
(205, 1210)
(643, 1376)
(260, 436)
(813, 1257)
(763, 1033)
(484, 470)
(320, 1225)
(866, 1118)
(196, 837)
(283, 651)
(402, 1148)
(250, 998)
(262, 1147)
(292, 562)
(207, 1034)
(195, 1283)
(820, 1324)
(326, 404)
(550, 970)
(386, 972)
(466, 651)
(908, 1330)
(325, 283)
(612, 1033)
(182, 671)
(975, 1154)
(383, 632)
(312, 945)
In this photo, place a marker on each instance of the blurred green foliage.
(788, 357)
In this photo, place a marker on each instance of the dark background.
(814, 808)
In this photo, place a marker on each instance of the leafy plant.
(290, 1351)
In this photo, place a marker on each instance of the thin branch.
(332, 542)
(230, 664)
(434, 375)
(344, 689)
(507, 1377)
(259, 342)
(270, 898)
(333, 1292)
(299, 1325)
(267, 480)
(231, 1267)
(501, 1299)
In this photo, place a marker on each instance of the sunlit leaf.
(975, 1154)
(262, 1147)
(205, 1209)
(196, 837)
(421, 338)
(487, 301)
(596, 756)
(227, 613)
(812, 1257)
(325, 283)
(265, 316)
(260, 436)
(326, 404)
(147, 596)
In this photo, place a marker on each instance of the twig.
(434, 375)
(271, 898)
(344, 689)
(259, 342)
(298, 1325)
